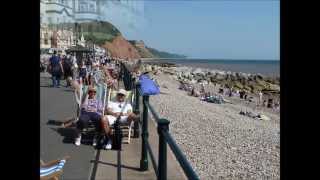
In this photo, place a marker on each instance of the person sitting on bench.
(115, 109)
(91, 110)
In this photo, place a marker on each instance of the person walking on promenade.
(67, 66)
(88, 63)
(74, 67)
(83, 73)
(56, 69)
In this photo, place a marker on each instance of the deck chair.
(102, 91)
(53, 169)
(82, 94)
(127, 129)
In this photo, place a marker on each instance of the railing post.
(136, 111)
(125, 74)
(163, 126)
(132, 80)
(144, 136)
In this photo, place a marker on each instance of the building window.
(83, 6)
(64, 2)
(50, 20)
(92, 9)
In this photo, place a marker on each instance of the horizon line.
(221, 59)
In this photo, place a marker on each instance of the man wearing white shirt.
(116, 109)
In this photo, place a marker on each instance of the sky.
(219, 29)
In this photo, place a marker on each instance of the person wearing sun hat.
(121, 108)
(91, 110)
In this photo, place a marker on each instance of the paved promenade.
(58, 104)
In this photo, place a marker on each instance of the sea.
(265, 67)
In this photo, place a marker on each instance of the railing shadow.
(115, 165)
(95, 166)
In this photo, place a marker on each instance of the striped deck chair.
(80, 93)
(102, 91)
(127, 129)
(52, 170)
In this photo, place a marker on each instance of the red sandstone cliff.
(120, 47)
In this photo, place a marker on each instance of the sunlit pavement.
(58, 104)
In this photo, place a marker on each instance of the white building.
(64, 39)
(45, 37)
(59, 11)
(124, 14)
(59, 39)
(56, 11)
(81, 41)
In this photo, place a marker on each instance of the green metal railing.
(163, 132)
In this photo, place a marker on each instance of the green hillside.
(99, 32)
(96, 31)
(162, 54)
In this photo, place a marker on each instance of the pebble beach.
(219, 142)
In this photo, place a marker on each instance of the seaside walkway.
(58, 104)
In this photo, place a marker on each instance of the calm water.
(266, 67)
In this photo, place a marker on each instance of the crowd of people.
(84, 71)
(68, 67)
(216, 95)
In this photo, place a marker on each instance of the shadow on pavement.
(115, 165)
(54, 122)
(70, 133)
(95, 166)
